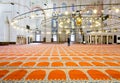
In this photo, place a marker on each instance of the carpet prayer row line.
(58, 64)
(61, 58)
(60, 74)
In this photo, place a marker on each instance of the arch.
(57, 75)
(73, 7)
(33, 58)
(98, 58)
(15, 64)
(98, 64)
(55, 53)
(87, 58)
(76, 58)
(54, 6)
(118, 63)
(84, 64)
(65, 58)
(43, 58)
(62, 54)
(47, 54)
(2, 58)
(77, 75)
(29, 64)
(36, 75)
(112, 64)
(114, 74)
(16, 75)
(57, 64)
(3, 73)
(4, 63)
(21, 58)
(97, 75)
(71, 64)
(108, 58)
(11, 58)
(43, 64)
(54, 58)
(64, 6)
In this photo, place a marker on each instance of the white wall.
(5, 12)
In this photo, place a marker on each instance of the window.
(54, 6)
(73, 23)
(64, 6)
(54, 23)
(73, 7)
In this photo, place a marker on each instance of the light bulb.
(117, 10)
(66, 13)
(95, 11)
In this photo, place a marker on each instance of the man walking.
(68, 41)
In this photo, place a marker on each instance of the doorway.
(38, 37)
(72, 38)
(54, 38)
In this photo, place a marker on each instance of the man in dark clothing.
(68, 41)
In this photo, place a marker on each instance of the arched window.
(54, 23)
(37, 35)
(73, 7)
(64, 8)
(54, 7)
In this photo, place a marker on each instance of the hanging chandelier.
(78, 21)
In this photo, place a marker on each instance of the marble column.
(90, 39)
(95, 39)
(107, 39)
(101, 39)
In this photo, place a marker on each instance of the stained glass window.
(54, 6)
(73, 7)
(64, 6)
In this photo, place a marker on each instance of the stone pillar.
(101, 39)
(90, 39)
(112, 39)
(107, 39)
(95, 39)
(85, 38)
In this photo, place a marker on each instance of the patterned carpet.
(41, 63)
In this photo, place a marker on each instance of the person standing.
(68, 41)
